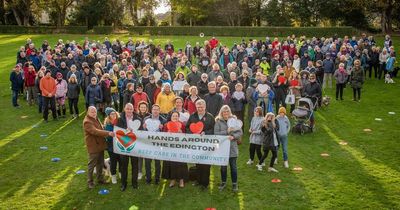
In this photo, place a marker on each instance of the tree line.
(380, 14)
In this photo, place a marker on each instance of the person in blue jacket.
(93, 96)
(16, 83)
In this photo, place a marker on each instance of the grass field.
(364, 174)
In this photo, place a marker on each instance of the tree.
(193, 12)
(133, 6)
(276, 13)
(58, 10)
(385, 8)
(230, 12)
(22, 11)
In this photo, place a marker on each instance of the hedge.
(13, 29)
(245, 31)
(192, 31)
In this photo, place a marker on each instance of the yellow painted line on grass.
(241, 200)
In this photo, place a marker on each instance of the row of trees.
(361, 14)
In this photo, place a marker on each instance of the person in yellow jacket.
(166, 99)
(265, 65)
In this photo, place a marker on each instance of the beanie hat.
(282, 110)
(253, 81)
(59, 75)
(109, 110)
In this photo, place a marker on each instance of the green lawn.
(364, 174)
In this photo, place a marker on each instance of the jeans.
(31, 94)
(40, 103)
(327, 81)
(284, 143)
(382, 69)
(253, 149)
(339, 91)
(14, 97)
(73, 106)
(274, 151)
(115, 100)
(356, 91)
(114, 161)
(224, 170)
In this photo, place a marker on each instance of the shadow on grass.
(377, 178)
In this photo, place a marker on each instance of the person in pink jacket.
(61, 92)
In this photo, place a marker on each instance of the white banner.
(189, 148)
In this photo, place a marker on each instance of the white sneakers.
(286, 164)
(140, 176)
(259, 167)
(114, 179)
(250, 162)
(270, 169)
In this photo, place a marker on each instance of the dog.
(388, 79)
(106, 168)
(326, 100)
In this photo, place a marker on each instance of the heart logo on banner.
(135, 125)
(152, 124)
(173, 127)
(125, 139)
(196, 128)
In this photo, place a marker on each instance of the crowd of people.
(211, 82)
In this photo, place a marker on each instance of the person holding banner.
(183, 114)
(142, 114)
(206, 121)
(153, 119)
(234, 134)
(95, 145)
(126, 119)
(175, 170)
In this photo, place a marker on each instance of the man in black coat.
(194, 76)
(203, 170)
(213, 100)
(127, 117)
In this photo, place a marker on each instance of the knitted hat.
(253, 81)
(59, 75)
(282, 110)
(109, 110)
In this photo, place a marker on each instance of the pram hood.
(307, 103)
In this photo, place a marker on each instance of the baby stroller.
(302, 114)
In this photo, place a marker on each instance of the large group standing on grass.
(208, 81)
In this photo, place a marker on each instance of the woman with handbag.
(222, 127)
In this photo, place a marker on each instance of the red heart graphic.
(126, 139)
(173, 127)
(196, 128)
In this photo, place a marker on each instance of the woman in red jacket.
(190, 101)
(175, 170)
(30, 77)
